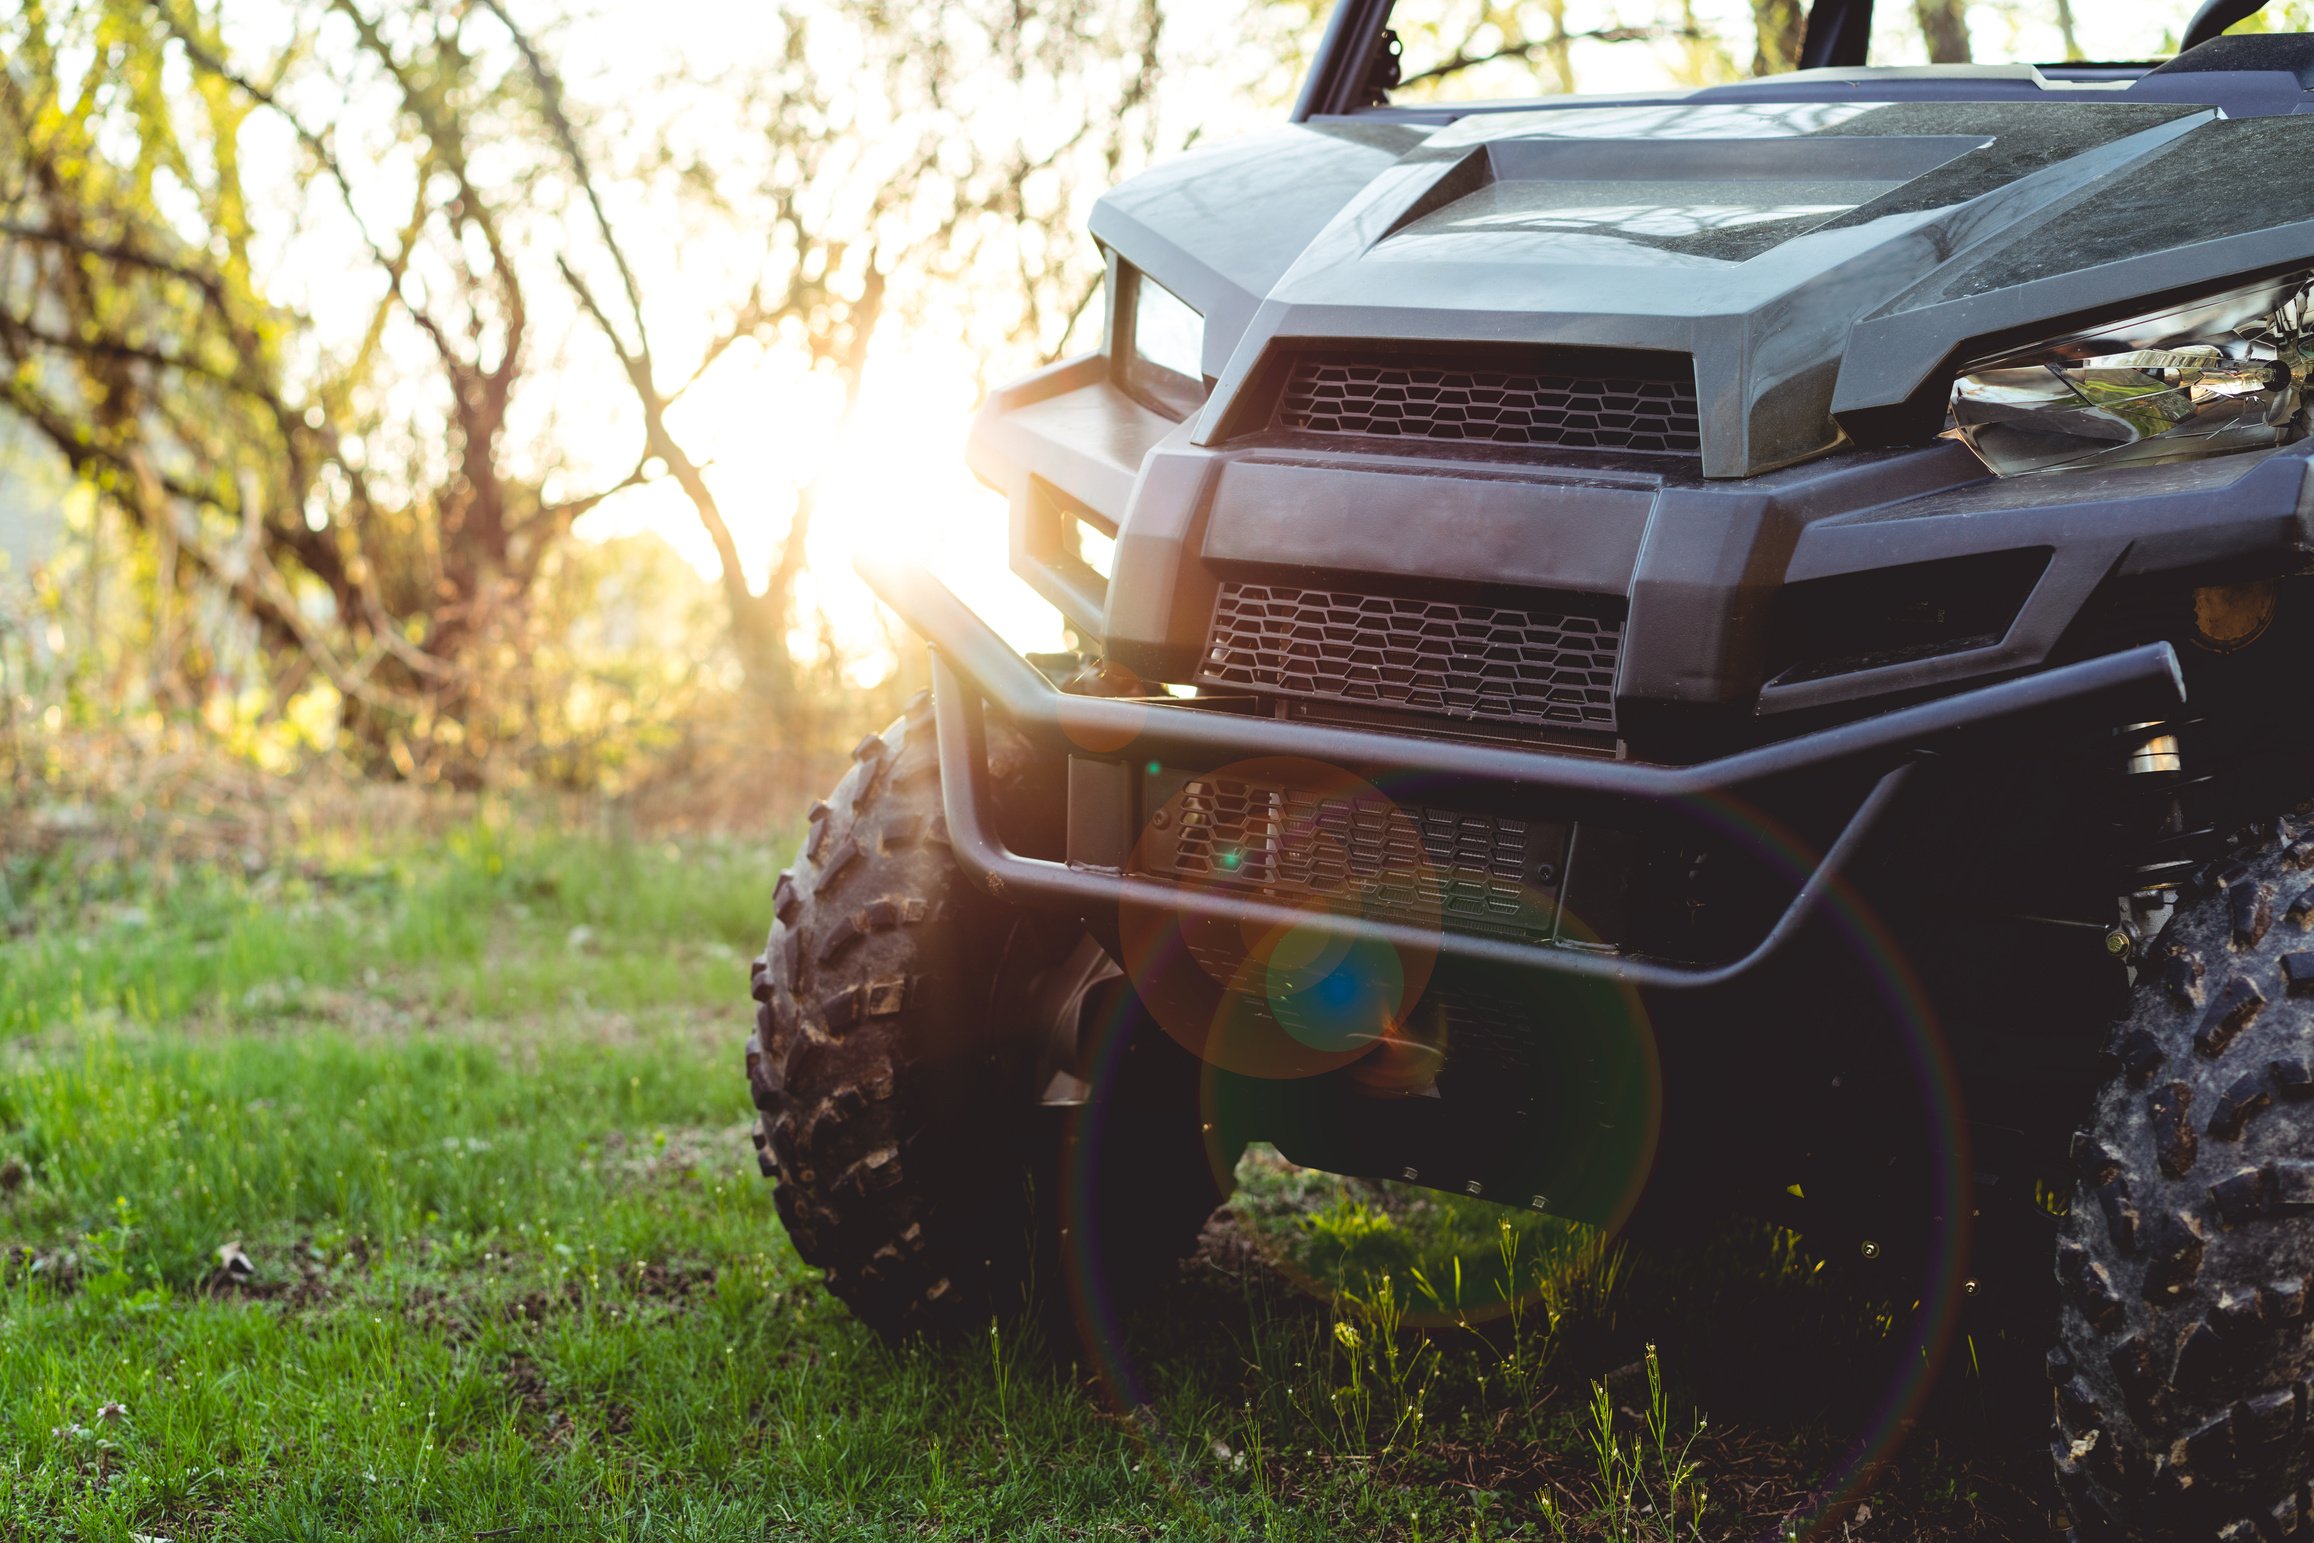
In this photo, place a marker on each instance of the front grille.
(1362, 852)
(1454, 658)
(1402, 400)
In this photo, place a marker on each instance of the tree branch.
(1462, 59)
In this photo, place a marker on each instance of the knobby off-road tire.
(894, 1064)
(2185, 1368)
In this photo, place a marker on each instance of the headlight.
(2229, 373)
(1164, 349)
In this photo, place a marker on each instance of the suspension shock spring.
(2160, 830)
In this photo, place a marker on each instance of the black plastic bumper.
(973, 667)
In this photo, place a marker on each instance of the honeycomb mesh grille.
(1449, 657)
(1504, 407)
(1471, 872)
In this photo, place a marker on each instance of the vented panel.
(1471, 872)
(1504, 407)
(1450, 657)
(1860, 621)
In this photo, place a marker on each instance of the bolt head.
(2120, 943)
(1871, 1250)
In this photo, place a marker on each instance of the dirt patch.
(536, 1404)
(673, 1281)
(537, 1306)
(58, 1269)
(541, 1408)
(524, 1033)
(299, 1277)
(397, 1005)
(674, 1155)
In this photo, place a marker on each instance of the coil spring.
(2159, 827)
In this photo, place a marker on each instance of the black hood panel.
(1821, 262)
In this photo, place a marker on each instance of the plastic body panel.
(1487, 525)
(1825, 249)
(1700, 561)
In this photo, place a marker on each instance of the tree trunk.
(1558, 49)
(1777, 26)
(1944, 24)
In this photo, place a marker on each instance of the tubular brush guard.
(972, 667)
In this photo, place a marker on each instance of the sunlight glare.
(890, 479)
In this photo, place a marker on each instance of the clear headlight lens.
(2224, 374)
(1164, 368)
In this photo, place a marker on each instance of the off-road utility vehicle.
(1737, 650)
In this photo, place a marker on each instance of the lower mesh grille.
(1470, 872)
(1395, 399)
(1454, 658)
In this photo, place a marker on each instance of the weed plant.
(1648, 1486)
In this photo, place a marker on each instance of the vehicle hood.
(1827, 265)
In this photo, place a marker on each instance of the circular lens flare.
(1261, 1003)
(1281, 999)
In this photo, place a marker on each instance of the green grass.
(470, 1111)
(484, 923)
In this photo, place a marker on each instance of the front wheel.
(2183, 1398)
(908, 1028)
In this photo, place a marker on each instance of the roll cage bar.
(1342, 76)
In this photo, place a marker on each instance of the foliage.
(341, 309)
(381, 542)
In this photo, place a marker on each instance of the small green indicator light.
(1154, 768)
(1229, 860)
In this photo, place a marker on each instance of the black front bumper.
(974, 669)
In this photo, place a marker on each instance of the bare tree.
(1497, 33)
(1443, 41)
(365, 512)
(858, 230)
(380, 501)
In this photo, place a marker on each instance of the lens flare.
(1278, 1001)
(1564, 1075)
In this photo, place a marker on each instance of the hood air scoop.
(1714, 200)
